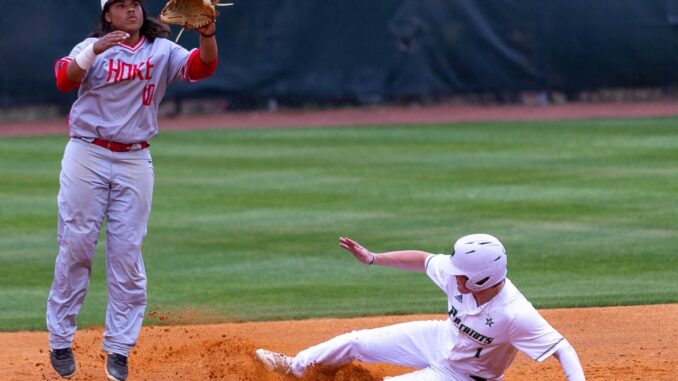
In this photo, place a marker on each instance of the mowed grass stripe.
(245, 222)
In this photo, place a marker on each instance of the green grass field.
(245, 222)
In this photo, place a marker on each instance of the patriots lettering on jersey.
(119, 70)
(471, 333)
(452, 312)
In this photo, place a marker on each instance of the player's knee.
(126, 301)
(128, 289)
(357, 344)
(124, 255)
(79, 244)
(122, 245)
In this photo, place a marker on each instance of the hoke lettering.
(122, 71)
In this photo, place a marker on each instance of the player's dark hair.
(151, 28)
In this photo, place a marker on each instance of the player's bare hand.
(359, 252)
(208, 29)
(108, 41)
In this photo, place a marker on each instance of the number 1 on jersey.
(478, 353)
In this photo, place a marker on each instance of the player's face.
(125, 15)
(461, 284)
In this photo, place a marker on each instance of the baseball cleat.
(116, 367)
(274, 362)
(63, 362)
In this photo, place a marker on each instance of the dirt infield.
(442, 113)
(614, 343)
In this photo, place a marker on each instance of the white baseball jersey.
(119, 96)
(485, 338)
(475, 343)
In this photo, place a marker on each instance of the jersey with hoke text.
(485, 338)
(119, 96)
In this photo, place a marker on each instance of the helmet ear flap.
(485, 279)
(492, 274)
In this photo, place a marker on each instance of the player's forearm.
(570, 362)
(74, 72)
(209, 52)
(410, 260)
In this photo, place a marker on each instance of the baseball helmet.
(104, 2)
(481, 258)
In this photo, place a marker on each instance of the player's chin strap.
(216, 5)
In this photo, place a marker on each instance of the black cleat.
(116, 367)
(63, 362)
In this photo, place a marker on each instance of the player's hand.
(110, 40)
(208, 29)
(359, 252)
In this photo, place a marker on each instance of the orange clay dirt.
(614, 343)
(617, 343)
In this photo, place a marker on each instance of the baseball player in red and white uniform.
(489, 321)
(121, 72)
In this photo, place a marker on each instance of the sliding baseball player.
(489, 322)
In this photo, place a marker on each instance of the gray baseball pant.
(95, 184)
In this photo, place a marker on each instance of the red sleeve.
(198, 69)
(63, 83)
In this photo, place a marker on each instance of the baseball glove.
(191, 14)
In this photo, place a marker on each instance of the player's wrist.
(209, 31)
(86, 57)
(372, 260)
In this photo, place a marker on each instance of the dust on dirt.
(621, 343)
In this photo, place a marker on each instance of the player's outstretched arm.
(209, 51)
(411, 260)
(569, 362)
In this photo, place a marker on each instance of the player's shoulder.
(82, 45)
(162, 44)
(87, 41)
(161, 41)
(519, 312)
(515, 304)
(433, 259)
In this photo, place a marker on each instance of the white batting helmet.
(481, 258)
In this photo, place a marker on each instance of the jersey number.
(147, 95)
(478, 352)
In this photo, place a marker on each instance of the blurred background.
(308, 53)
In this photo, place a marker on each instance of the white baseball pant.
(418, 344)
(95, 184)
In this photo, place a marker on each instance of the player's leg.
(415, 344)
(127, 218)
(82, 200)
(426, 374)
